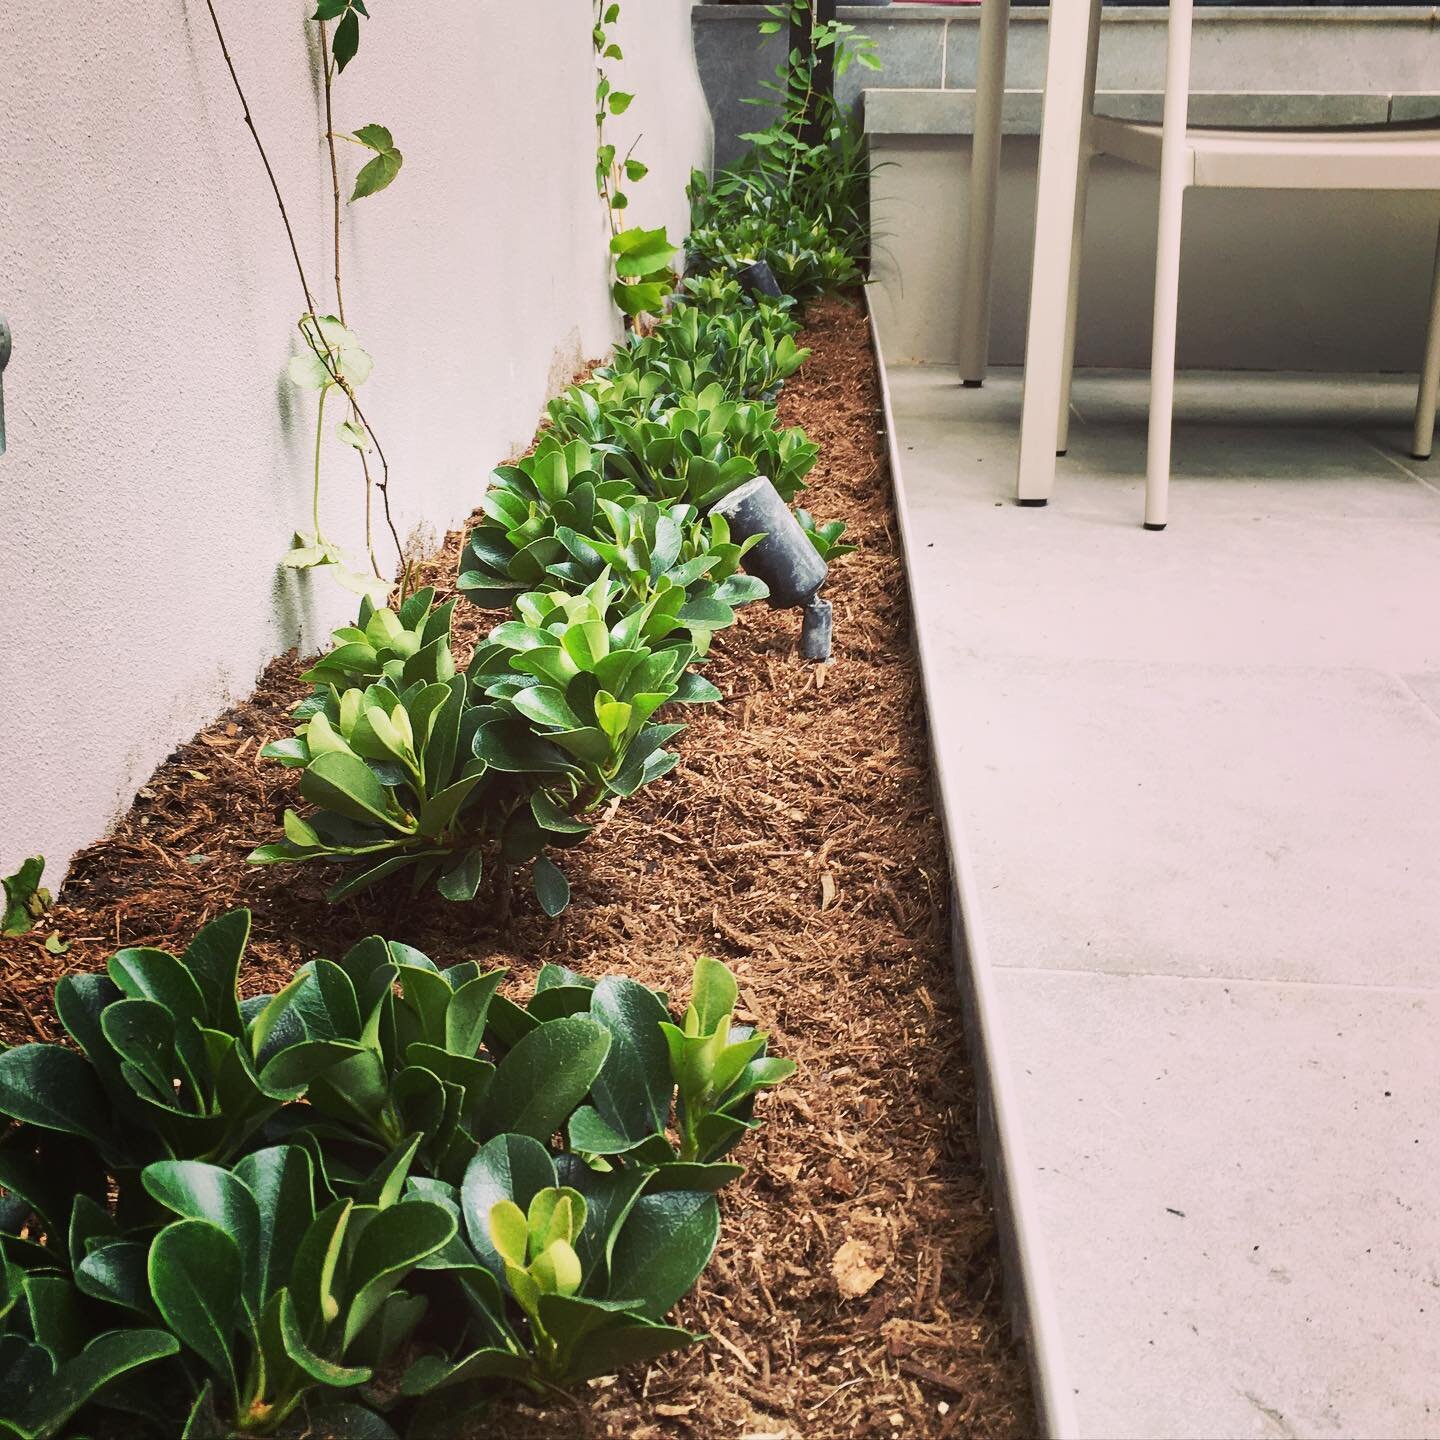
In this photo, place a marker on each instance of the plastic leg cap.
(1031, 502)
(1149, 526)
(971, 384)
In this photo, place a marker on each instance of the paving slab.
(1237, 1181)
(1270, 823)
(1192, 784)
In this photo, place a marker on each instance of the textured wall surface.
(158, 460)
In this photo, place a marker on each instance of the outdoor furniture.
(1378, 158)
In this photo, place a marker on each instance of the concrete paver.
(1197, 779)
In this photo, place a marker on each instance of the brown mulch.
(856, 1289)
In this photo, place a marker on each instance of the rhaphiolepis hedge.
(617, 575)
(355, 1206)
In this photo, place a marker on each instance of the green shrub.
(825, 538)
(696, 451)
(553, 522)
(749, 355)
(288, 1214)
(798, 198)
(807, 255)
(413, 773)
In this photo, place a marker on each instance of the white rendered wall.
(1269, 280)
(158, 461)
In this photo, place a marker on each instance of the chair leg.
(1162, 356)
(1061, 126)
(1072, 306)
(975, 280)
(1174, 163)
(1424, 437)
(1077, 235)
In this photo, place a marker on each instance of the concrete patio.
(1193, 783)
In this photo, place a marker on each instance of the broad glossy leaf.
(542, 1080)
(117, 1273)
(355, 1090)
(692, 1175)
(546, 706)
(195, 1279)
(55, 1088)
(665, 1243)
(347, 786)
(635, 1088)
(194, 1190)
(552, 889)
(213, 958)
(432, 1372)
(460, 879)
(509, 1167)
(387, 1184)
(317, 1367)
(56, 1321)
(105, 1359)
(549, 816)
(466, 1014)
(617, 1346)
(713, 993)
(317, 1260)
(419, 1100)
(145, 974)
(149, 1041)
(393, 1243)
(287, 1074)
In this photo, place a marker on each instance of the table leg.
(1056, 186)
(984, 181)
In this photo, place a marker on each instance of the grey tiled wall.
(1348, 50)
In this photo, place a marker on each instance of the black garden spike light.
(758, 280)
(784, 558)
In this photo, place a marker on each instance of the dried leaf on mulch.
(797, 840)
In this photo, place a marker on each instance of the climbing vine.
(331, 359)
(641, 258)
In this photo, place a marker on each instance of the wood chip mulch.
(856, 1289)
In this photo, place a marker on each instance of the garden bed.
(856, 1289)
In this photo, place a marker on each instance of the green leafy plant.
(559, 486)
(643, 273)
(401, 647)
(717, 1065)
(410, 766)
(797, 199)
(398, 1234)
(749, 355)
(696, 452)
(332, 360)
(807, 256)
(825, 538)
(380, 171)
(552, 521)
(26, 900)
(277, 1303)
(641, 258)
(576, 686)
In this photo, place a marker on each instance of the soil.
(856, 1288)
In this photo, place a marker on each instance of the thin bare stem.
(265, 159)
(327, 68)
(315, 487)
(320, 350)
(382, 485)
(329, 77)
